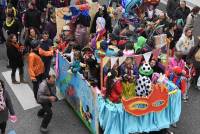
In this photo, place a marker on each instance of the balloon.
(129, 5)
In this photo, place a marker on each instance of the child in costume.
(175, 61)
(113, 87)
(190, 72)
(128, 51)
(76, 64)
(144, 82)
(104, 50)
(129, 73)
(178, 78)
(91, 70)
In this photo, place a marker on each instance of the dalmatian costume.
(143, 87)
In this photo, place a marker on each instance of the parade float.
(121, 103)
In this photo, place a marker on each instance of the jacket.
(190, 21)
(32, 18)
(13, 29)
(45, 91)
(15, 57)
(35, 63)
(51, 28)
(185, 44)
(171, 5)
(8, 109)
(181, 14)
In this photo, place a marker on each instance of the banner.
(78, 94)
(147, 56)
(156, 53)
(138, 59)
(113, 61)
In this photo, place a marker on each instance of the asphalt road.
(64, 121)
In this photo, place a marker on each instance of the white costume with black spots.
(143, 87)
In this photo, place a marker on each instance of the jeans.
(3, 127)
(185, 95)
(21, 71)
(47, 65)
(36, 84)
(46, 112)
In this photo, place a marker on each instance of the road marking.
(23, 92)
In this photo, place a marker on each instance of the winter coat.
(14, 28)
(51, 29)
(32, 18)
(185, 44)
(46, 46)
(108, 25)
(191, 57)
(181, 14)
(35, 63)
(15, 57)
(8, 109)
(190, 21)
(171, 5)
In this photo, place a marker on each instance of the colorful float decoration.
(155, 102)
(127, 101)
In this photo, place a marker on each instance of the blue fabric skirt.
(114, 120)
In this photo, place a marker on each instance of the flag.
(138, 59)
(156, 53)
(121, 60)
(113, 61)
(147, 56)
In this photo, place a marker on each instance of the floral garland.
(11, 23)
(14, 11)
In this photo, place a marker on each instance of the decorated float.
(129, 95)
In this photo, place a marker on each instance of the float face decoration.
(155, 102)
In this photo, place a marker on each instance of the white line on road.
(23, 92)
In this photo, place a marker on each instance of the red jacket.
(116, 92)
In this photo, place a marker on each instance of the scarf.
(2, 101)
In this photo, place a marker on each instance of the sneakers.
(185, 100)
(43, 130)
(174, 125)
(169, 132)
